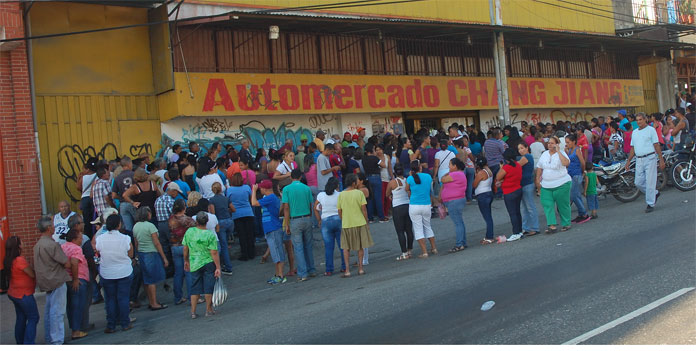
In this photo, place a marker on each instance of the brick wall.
(21, 173)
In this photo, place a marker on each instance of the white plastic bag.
(219, 293)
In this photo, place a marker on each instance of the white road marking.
(628, 317)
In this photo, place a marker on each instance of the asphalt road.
(548, 289)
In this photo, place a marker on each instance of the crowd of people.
(178, 216)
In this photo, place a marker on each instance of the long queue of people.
(179, 215)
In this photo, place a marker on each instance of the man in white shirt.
(646, 147)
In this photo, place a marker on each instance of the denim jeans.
(163, 229)
(116, 293)
(127, 212)
(484, 204)
(592, 202)
(179, 274)
(136, 282)
(374, 204)
(576, 190)
(512, 204)
(494, 170)
(27, 318)
(76, 303)
(226, 228)
(331, 232)
(87, 208)
(470, 173)
(54, 329)
(455, 208)
(530, 216)
(301, 235)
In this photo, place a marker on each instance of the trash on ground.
(686, 201)
(559, 244)
(487, 305)
(501, 239)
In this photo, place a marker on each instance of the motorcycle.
(612, 178)
(683, 172)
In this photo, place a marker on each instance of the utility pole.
(499, 62)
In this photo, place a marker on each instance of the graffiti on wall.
(230, 132)
(71, 159)
(546, 116)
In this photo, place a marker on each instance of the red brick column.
(20, 163)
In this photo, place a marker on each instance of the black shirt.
(123, 182)
(371, 165)
(691, 118)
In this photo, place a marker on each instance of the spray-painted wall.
(262, 131)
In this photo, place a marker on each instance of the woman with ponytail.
(418, 187)
(509, 179)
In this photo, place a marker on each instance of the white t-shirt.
(161, 174)
(284, 168)
(642, 140)
(87, 181)
(113, 249)
(61, 224)
(205, 184)
(384, 172)
(444, 156)
(212, 222)
(327, 204)
(537, 148)
(554, 173)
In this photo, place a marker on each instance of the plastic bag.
(442, 211)
(219, 293)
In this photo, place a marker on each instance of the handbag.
(219, 293)
(442, 211)
(285, 181)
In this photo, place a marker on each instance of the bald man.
(60, 220)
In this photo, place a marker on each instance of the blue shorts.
(592, 202)
(275, 240)
(152, 267)
(203, 280)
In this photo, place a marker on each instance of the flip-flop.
(211, 313)
(161, 307)
(551, 230)
(424, 255)
(531, 233)
(346, 275)
(565, 229)
(361, 272)
(194, 316)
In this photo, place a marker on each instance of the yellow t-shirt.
(320, 144)
(350, 203)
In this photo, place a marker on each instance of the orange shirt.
(21, 284)
(232, 170)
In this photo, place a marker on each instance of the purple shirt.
(431, 157)
(456, 189)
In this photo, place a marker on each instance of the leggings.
(403, 226)
(245, 230)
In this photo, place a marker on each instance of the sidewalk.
(249, 276)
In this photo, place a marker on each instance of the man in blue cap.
(625, 120)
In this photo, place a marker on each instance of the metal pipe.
(32, 90)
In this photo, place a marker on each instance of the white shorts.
(420, 216)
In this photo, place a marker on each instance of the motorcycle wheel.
(627, 192)
(683, 176)
(661, 179)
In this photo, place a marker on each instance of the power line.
(581, 11)
(337, 5)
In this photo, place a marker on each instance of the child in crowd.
(591, 190)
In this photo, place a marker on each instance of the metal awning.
(422, 29)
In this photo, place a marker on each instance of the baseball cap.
(303, 137)
(621, 112)
(346, 133)
(360, 129)
(266, 184)
(355, 137)
(173, 186)
(330, 141)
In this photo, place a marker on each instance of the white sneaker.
(514, 237)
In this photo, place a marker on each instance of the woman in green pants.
(555, 183)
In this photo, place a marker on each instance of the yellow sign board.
(228, 94)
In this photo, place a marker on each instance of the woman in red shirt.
(508, 179)
(21, 292)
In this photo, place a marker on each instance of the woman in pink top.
(453, 195)
(248, 175)
(311, 175)
(77, 292)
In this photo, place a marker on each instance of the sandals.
(457, 249)
(292, 273)
(530, 233)
(161, 307)
(565, 228)
(361, 272)
(194, 316)
(210, 313)
(403, 257)
(487, 241)
(433, 252)
(423, 255)
(346, 275)
(80, 335)
(181, 301)
(550, 230)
